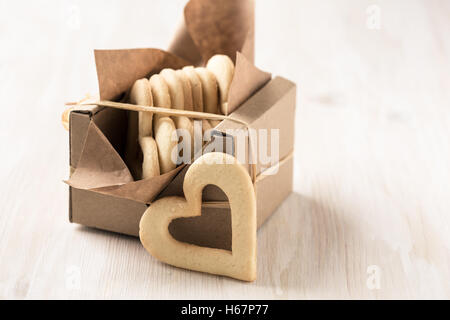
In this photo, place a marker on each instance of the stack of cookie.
(201, 89)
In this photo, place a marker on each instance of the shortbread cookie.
(160, 93)
(198, 137)
(206, 125)
(207, 131)
(150, 164)
(187, 90)
(175, 88)
(141, 94)
(225, 172)
(223, 68)
(177, 93)
(164, 130)
(196, 86)
(186, 125)
(209, 88)
(214, 123)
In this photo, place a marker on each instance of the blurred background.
(372, 143)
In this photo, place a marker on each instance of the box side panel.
(280, 118)
(272, 190)
(105, 212)
(260, 102)
(79, 123)
(268, 112)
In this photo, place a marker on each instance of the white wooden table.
(370, 215)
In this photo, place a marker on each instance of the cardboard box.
(273, 106)
(103, 191)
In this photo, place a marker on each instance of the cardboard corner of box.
(273, 106)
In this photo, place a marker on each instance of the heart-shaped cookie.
(225, 172)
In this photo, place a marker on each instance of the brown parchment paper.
(101, 169)
(246, 81)
(100, 165)
(117, 70)
(221, 27)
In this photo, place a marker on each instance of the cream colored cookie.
(160, 93)
(185, 124)
(164, 130)
(196, 86)
(214, 123)
(226, 173)
(209, 88)
(141, 94)
(223, 68)
(150, 164)
(198, 138)
(175, 88)
(187, 90)
(206, 125)
(177, 96)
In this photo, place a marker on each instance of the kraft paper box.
(103, 190)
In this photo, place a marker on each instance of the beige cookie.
(223, 171)
(187, 90)
(185, 123)
(177, 92)
(202, 131)
(196, 86)
(207, 131)
(150, 164)
(214, 123)
(160, 93)
(185, 128)
(141, 94)
(198, 138)
(209, 88)
(223, 68)
(206, 125)
(164, 131)
(175, 86)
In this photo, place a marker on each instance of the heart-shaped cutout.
(223, 171)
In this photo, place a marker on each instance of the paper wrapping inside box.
(214, 27)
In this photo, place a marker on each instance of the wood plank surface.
(370, 215)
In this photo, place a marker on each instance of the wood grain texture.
(371, 159)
